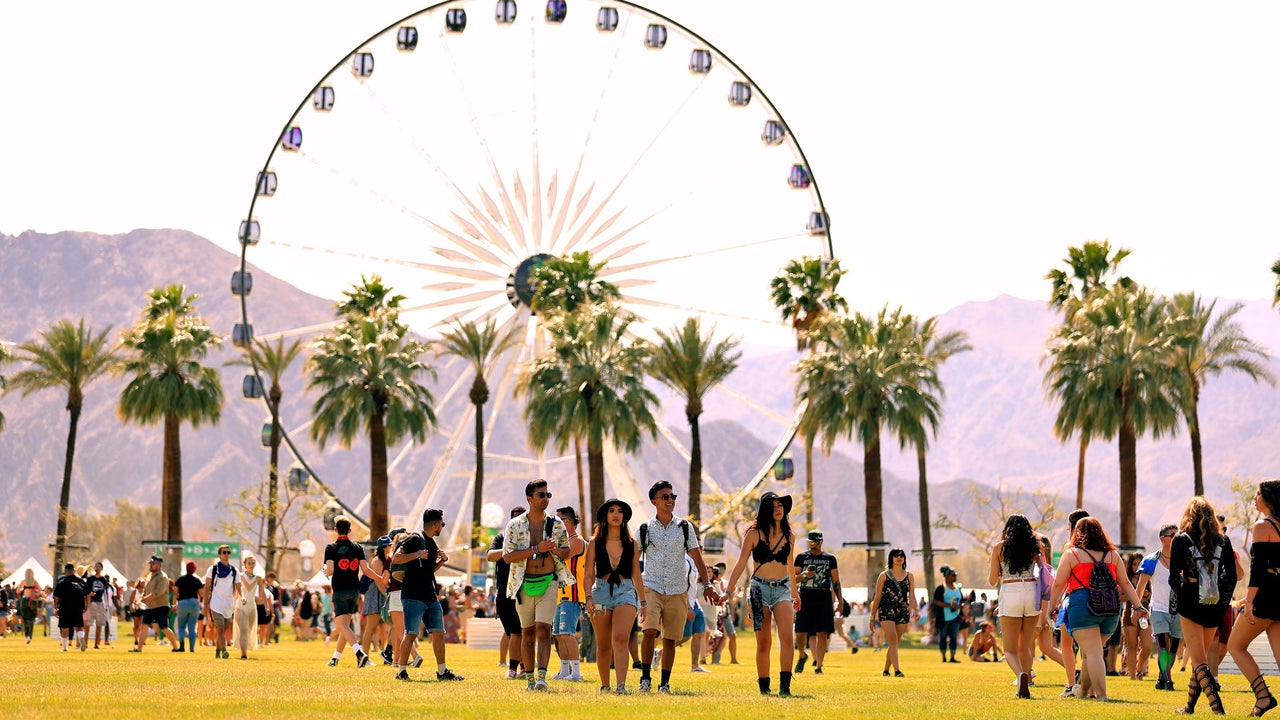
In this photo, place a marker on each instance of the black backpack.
(1104, 594)
(644, 535)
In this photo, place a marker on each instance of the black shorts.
(815, 616)
(509, 616)
(70, 620)
(346, 602)
(157, 616)
(264, 615)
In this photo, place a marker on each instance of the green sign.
(207, 551)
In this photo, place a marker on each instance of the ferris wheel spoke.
(684, 453)
(687, 256)
(631, 300)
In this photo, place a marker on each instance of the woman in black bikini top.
(616, 590)
(1262, 601)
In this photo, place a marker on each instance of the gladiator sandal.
(1266, 700)
(1209, 686)
(1193, 694)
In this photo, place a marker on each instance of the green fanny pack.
(536, 585)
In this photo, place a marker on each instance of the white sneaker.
(541, 685)
(511, 674)
(562, 675)
(575, 677)
(700, 669)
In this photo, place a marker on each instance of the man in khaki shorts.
(665, 540)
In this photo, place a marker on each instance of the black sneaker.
(448, 675)
(817, 670)
(387, 658)
(362, 659)
(800, 663)
(333, 662)
(402, 675)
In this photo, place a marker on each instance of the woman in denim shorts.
(768, 543)
(611, 569)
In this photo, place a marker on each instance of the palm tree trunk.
(1128, 442)
(64, 497)
(695, 468)
(273, 483)
(1084, 448)
(1193, 427)
(582, 492)
(873, 481)
(378, 475)
(595, 468)
(926, 532)
(171, 489)
(808, 480)
(477, 493)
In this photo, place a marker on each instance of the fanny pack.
(536, 586)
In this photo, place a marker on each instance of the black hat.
(771, 495)
(815, 536)
(156, 558)
(602, 512)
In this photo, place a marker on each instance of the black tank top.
(625, 563)
(762, 554)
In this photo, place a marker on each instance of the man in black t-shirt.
(97, 586)
(343, 563)
(421, 557)
(818, 578)
(507, 612)
(70, 601)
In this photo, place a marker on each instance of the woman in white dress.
(246, 619)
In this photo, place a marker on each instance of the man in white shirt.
(221, 592)
(1166, 628)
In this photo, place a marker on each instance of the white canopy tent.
(42, 576)
(109, 570)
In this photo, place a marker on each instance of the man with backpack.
(536, 546)
(420, 557)
(221, 592)
(664, 542)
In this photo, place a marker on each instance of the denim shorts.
(567, 615)
(417, 612)
(1079, 617)
(607, 597)
(1164, 623)
(697, 625)
(763, 595)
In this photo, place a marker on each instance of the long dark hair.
(764, 520)
(1270, 492)
(896, 552)
(600, 535)
(1020, 546)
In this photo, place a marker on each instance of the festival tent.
(109, 570)
(42, 576)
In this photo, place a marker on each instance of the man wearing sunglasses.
(221, 594)
(664, 541)
(536, 545)
(1166, 627)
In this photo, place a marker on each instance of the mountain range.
(997, 429)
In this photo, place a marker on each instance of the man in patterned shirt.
(665, 540)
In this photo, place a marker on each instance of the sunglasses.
(542, 494)
(1167, 536)
(224, 552)
(668, 497)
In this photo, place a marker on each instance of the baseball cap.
(815, 536)
(156, 558)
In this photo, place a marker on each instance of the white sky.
(959, 147)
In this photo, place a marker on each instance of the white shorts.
(1018, 599)
(394, 603)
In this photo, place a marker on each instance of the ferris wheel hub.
(519, 289)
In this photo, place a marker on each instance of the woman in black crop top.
(611, 569)
(768, 543)
(1262, 601)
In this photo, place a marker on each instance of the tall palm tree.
(1117, 356)
(168, 383)
(1088, 267)
(271, 360)
(367, 371)
(691, 364)
(918, 422)
(865, 379)
(566, 284)
(67, 356)
(1207, 346)
(590, 385)
(480, 346)
(5, 357)
(805, 293)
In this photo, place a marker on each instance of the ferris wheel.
(455, 149)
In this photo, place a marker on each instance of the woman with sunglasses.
(891, 605)
(768, 544)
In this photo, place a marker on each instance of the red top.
(1079, 579)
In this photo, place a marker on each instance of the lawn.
(291, 680)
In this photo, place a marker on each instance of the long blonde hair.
(1200, 523)
(29, 576)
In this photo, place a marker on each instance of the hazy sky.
(960, 147)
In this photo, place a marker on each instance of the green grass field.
(291, 680)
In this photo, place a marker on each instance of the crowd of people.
(1097, 614)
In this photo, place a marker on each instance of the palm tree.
(68, 356)
(5, 357)
(480, 346)
(1275, 270)
(271, 360)
(566, 284)
(1089, 267)
(805, 293)
(691, 364)
(920, 421)
(1207, 346)
(1117, 356)
(590, 385)
(367, 370)
(164, 351)
(866, 379)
